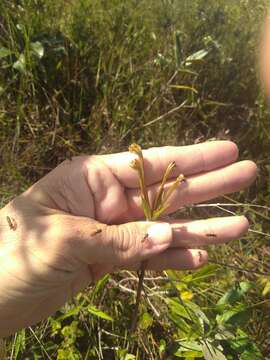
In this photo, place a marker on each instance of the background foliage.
(92, 76)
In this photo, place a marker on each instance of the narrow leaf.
(184, 87)
(95, 311)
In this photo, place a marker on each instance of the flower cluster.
(160, 204)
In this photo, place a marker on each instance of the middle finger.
(198, 188)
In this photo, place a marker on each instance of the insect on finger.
(98, 231)
(11, 223)
(211, 235)
(145, 238)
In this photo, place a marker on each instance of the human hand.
(84, 219)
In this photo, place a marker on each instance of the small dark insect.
(145, 237)
(11, 223)
(98, 231)
(211, 235)
(200, 256)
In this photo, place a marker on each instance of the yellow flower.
(135, 149)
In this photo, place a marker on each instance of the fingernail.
(160, 234)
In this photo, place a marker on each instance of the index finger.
(190, 160)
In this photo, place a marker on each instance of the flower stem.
(141, 274)
(151, 212)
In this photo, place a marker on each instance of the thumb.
(94, 242)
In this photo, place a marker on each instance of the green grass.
(92, 76)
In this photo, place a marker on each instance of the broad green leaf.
(223, 333)
(237, 316)
(197, 56)
(20, 64)
(245, 286)
(95, 311)
(178, 309)
(189, 311)
(71, 312)
(252, 354)
(230, 297)
(188, 354)
(234, 294)
(202, 274)
(211, 352)
(130, 357)
(239, 344)
(37, 48)
(189, 349)
(190, 345)
(146, 321)
(197, 311)
(4, 52)
(243, 346)
(182, 325)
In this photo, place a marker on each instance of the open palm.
(84, 219)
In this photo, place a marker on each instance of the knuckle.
(124, 242)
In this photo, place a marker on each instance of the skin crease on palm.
(84, 219)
